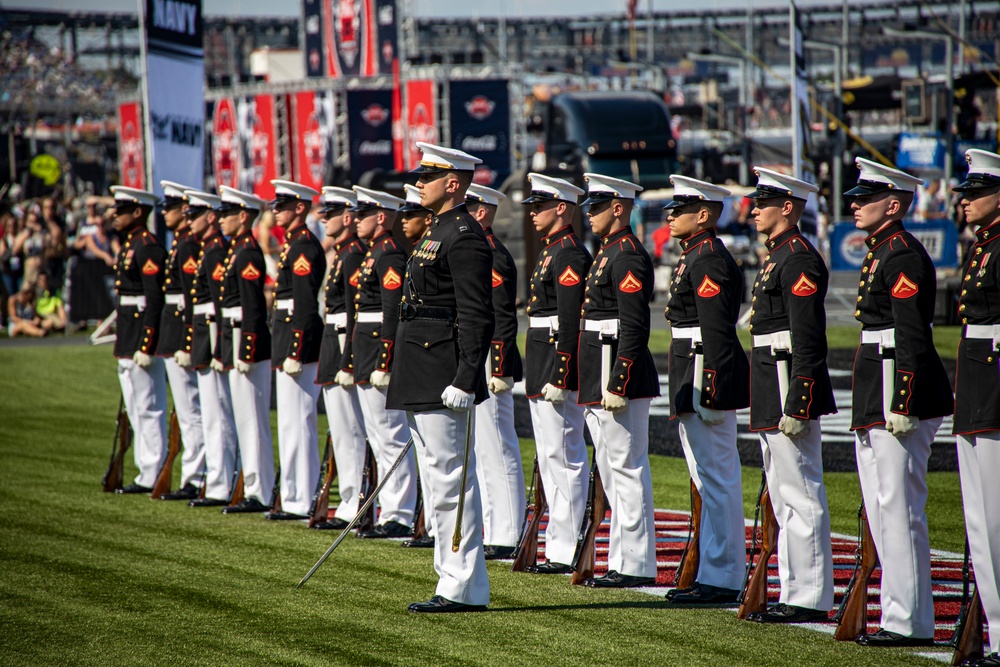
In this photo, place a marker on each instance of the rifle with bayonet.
(852, 617)
(687, 569)
(754, 594)
(165, 476)
(112, 480)
(319, 511)
(369, 481)
(583, 559)
(527, 545)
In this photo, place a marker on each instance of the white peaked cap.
(172, 190)
(984, 171)
(690, 190)
(289, 190)
(434, 159)
(484, 195)
(604, 188)
(875, 178)
(199, 199)
(334, 197)
(370, 199)
(548, 188)
(775, 184)
(123, 194)
(239, 199)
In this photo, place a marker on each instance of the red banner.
(312, 131)
(225, 144)
(421, 118)
(259, 150)
(131, 147)
(347, 38)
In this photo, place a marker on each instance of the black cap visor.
(868, 188)
(977, 182)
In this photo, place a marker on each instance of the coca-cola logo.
(375, 114)
(132, 171)
(480, 107)
(380, 147)
(487, 142)
(484, 176)
(225, 149)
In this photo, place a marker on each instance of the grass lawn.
(96, 579)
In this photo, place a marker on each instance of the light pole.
(741, 63)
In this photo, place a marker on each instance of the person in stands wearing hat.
(182, 263)
(415, 218)
(201, 320)
(297, 332)
(244, 349)
(977, 387)
(139, 283)
(789, 390)
(618, 379)
(551, 377)
(374, 350)
(343, 410)
(498, 452)
(900, 395)
(709, 381)
(446, 321)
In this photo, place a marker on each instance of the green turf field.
(95, 579)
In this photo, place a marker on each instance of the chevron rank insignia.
(250, 272)
(355, 277)
(392, 279)
(150, 268)
(904, 287)
(497, 279)
(569, 277)
(302, 267)
(190, 266)
(803, 286)
(219, 272)
(708, 288)
(630, 284)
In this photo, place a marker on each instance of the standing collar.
(883, 234)
(697, 238)
(990, 231)
(558, 235)
(789, 233)
(614, 237)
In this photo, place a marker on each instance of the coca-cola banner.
(369, 124)
(258, 152)
(421, 119)
(480, 125)
(131, 151)
(346, 37)
(312, 133)
(386, 42)
(225, 144)
(312, 22)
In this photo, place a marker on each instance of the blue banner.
(918, 151)
(369, 124)
(480, 125)
(312, 21)
(939, 237)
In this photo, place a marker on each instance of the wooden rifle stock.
(369, 480)
(852, 617)
(754, 596)
(969, 632)
(236, 496)
(419, 525)
(113, 476)
(583, 561)
(687, 569)
(276, 492)
(166, 474)
(320, 509)
(527, 545)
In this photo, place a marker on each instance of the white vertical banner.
(802, 164)
(174, 90)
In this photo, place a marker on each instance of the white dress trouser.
(187, 404)
(794, 470)
(621, 440)
(388, 434)
(347, 433)
(562, 464)
(297, 448)
(714, 465)
(462, 574)
(219, 432)
(978, 467)
(252, 412)
(498, 467)
(145, 394)
(893, 474)
(425, 489)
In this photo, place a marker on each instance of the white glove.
(344, 379)
(183, 358)
(901, 424)
(554, 394)
(142, 359)
(456, 399)
(241, 366)
(217, 366)
(709, 416)
(614, 402)
(500, 385)
(794, 428)
(379, 379)
(292, 367)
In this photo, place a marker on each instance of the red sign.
(480, 107)
(347, 38)
(312, 127)
(131, 148)
(421, 121)
(260, 150)
(225, 145)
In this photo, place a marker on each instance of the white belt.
(285, 304)
(175, 300)
(204, 309)
(137, 301)
(779, 340)
(235, 313)
(603, 327)
(983, 332)
(691, 333)
(337, 319)
(370, 318)
(886, 338)
(538, 322)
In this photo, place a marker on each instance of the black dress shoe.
(991, 660)
(675, 591)
(788, 613)
(384, 530)
(549, 567)
(332, 524)
(284, 516)
(186, 492)
(494, 552)
(615, 579)
(706, 594)
(207, 502)
(247, 506)
(892, 639)
(134, 488)
(439, 605)
(424, 542)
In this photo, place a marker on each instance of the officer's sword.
(456, 538)
(359, 515)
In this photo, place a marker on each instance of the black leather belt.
(407, 311)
